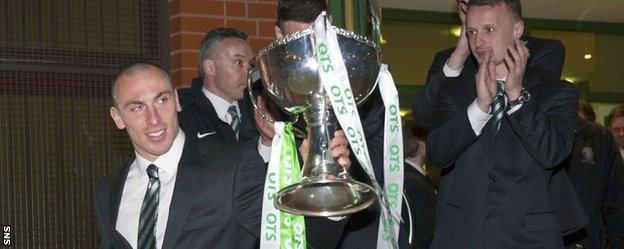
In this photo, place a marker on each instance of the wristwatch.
(523, 98)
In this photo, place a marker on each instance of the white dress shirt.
(134, 192)
(221, 107)
(477, 117)
(416, 166)
(622, 153)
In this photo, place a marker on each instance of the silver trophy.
(289, 73)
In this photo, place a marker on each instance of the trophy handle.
(252, 99)
(296, 131)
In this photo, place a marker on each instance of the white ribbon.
(393, 155)
(336, 84)
(270, 226)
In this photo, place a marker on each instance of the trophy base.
(325, 197)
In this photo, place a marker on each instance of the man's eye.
(136, 108)
(489, 29)
(162, 100)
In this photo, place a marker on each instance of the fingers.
(304, 147)
(345, 162)
(264, 127)
(516, 57)
(340, 139)
(261, 104)
(340, 150)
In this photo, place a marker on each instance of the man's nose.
(152, 116)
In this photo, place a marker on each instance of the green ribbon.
(292, 226)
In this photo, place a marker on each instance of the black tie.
(149, 211)
(498, 105)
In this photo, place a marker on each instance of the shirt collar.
(221, 105)
(167, 163)
(416, 166)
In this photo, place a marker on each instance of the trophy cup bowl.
(289, 72)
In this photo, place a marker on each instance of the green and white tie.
(149, 211)
(235, 123)
(498, 105)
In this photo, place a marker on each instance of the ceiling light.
(570, 79)
(587, 56)
(456, 31)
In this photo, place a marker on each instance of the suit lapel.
(209, 115)
(113, 205)
(185, 186)
(115, 194)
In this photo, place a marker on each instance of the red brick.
(259, 43)
(182, 78)
(194, 24)
(174, 7)
(246, 26)
(236, 9)
(184, 60)
(202, 7)
(262, 10)
(266, 28)
(185, 41)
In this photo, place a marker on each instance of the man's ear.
(278, 32)
(177, 101)
(114, 113)
(209, 66)
(518, 29)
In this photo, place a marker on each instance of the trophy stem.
(321, 123)
(326, 189)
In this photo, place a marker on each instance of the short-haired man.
(361, 229)
(216, 107)
(616, 125)
(418, 211)
(499, 137)
(174, 193)
(545, 60)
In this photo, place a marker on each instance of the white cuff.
(477, 117)
(264, 151)
(448, 72)
(514, 109)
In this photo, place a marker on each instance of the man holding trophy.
(292, 73)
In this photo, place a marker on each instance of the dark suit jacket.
(421, 196)
(545, 60)
(216, 202)
(597, 173)
(361, 229)
(501, 189)
(199, 116)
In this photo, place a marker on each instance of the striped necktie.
(235, 123)
(498, 105)
(149, 211)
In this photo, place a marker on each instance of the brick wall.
(190, 20)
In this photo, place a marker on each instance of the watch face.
(525, 96)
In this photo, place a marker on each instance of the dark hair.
(412, 133)
(513, 6)
(212, 39)
(616, 112)
(132, 69)
(587, 110)
(304, 11)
